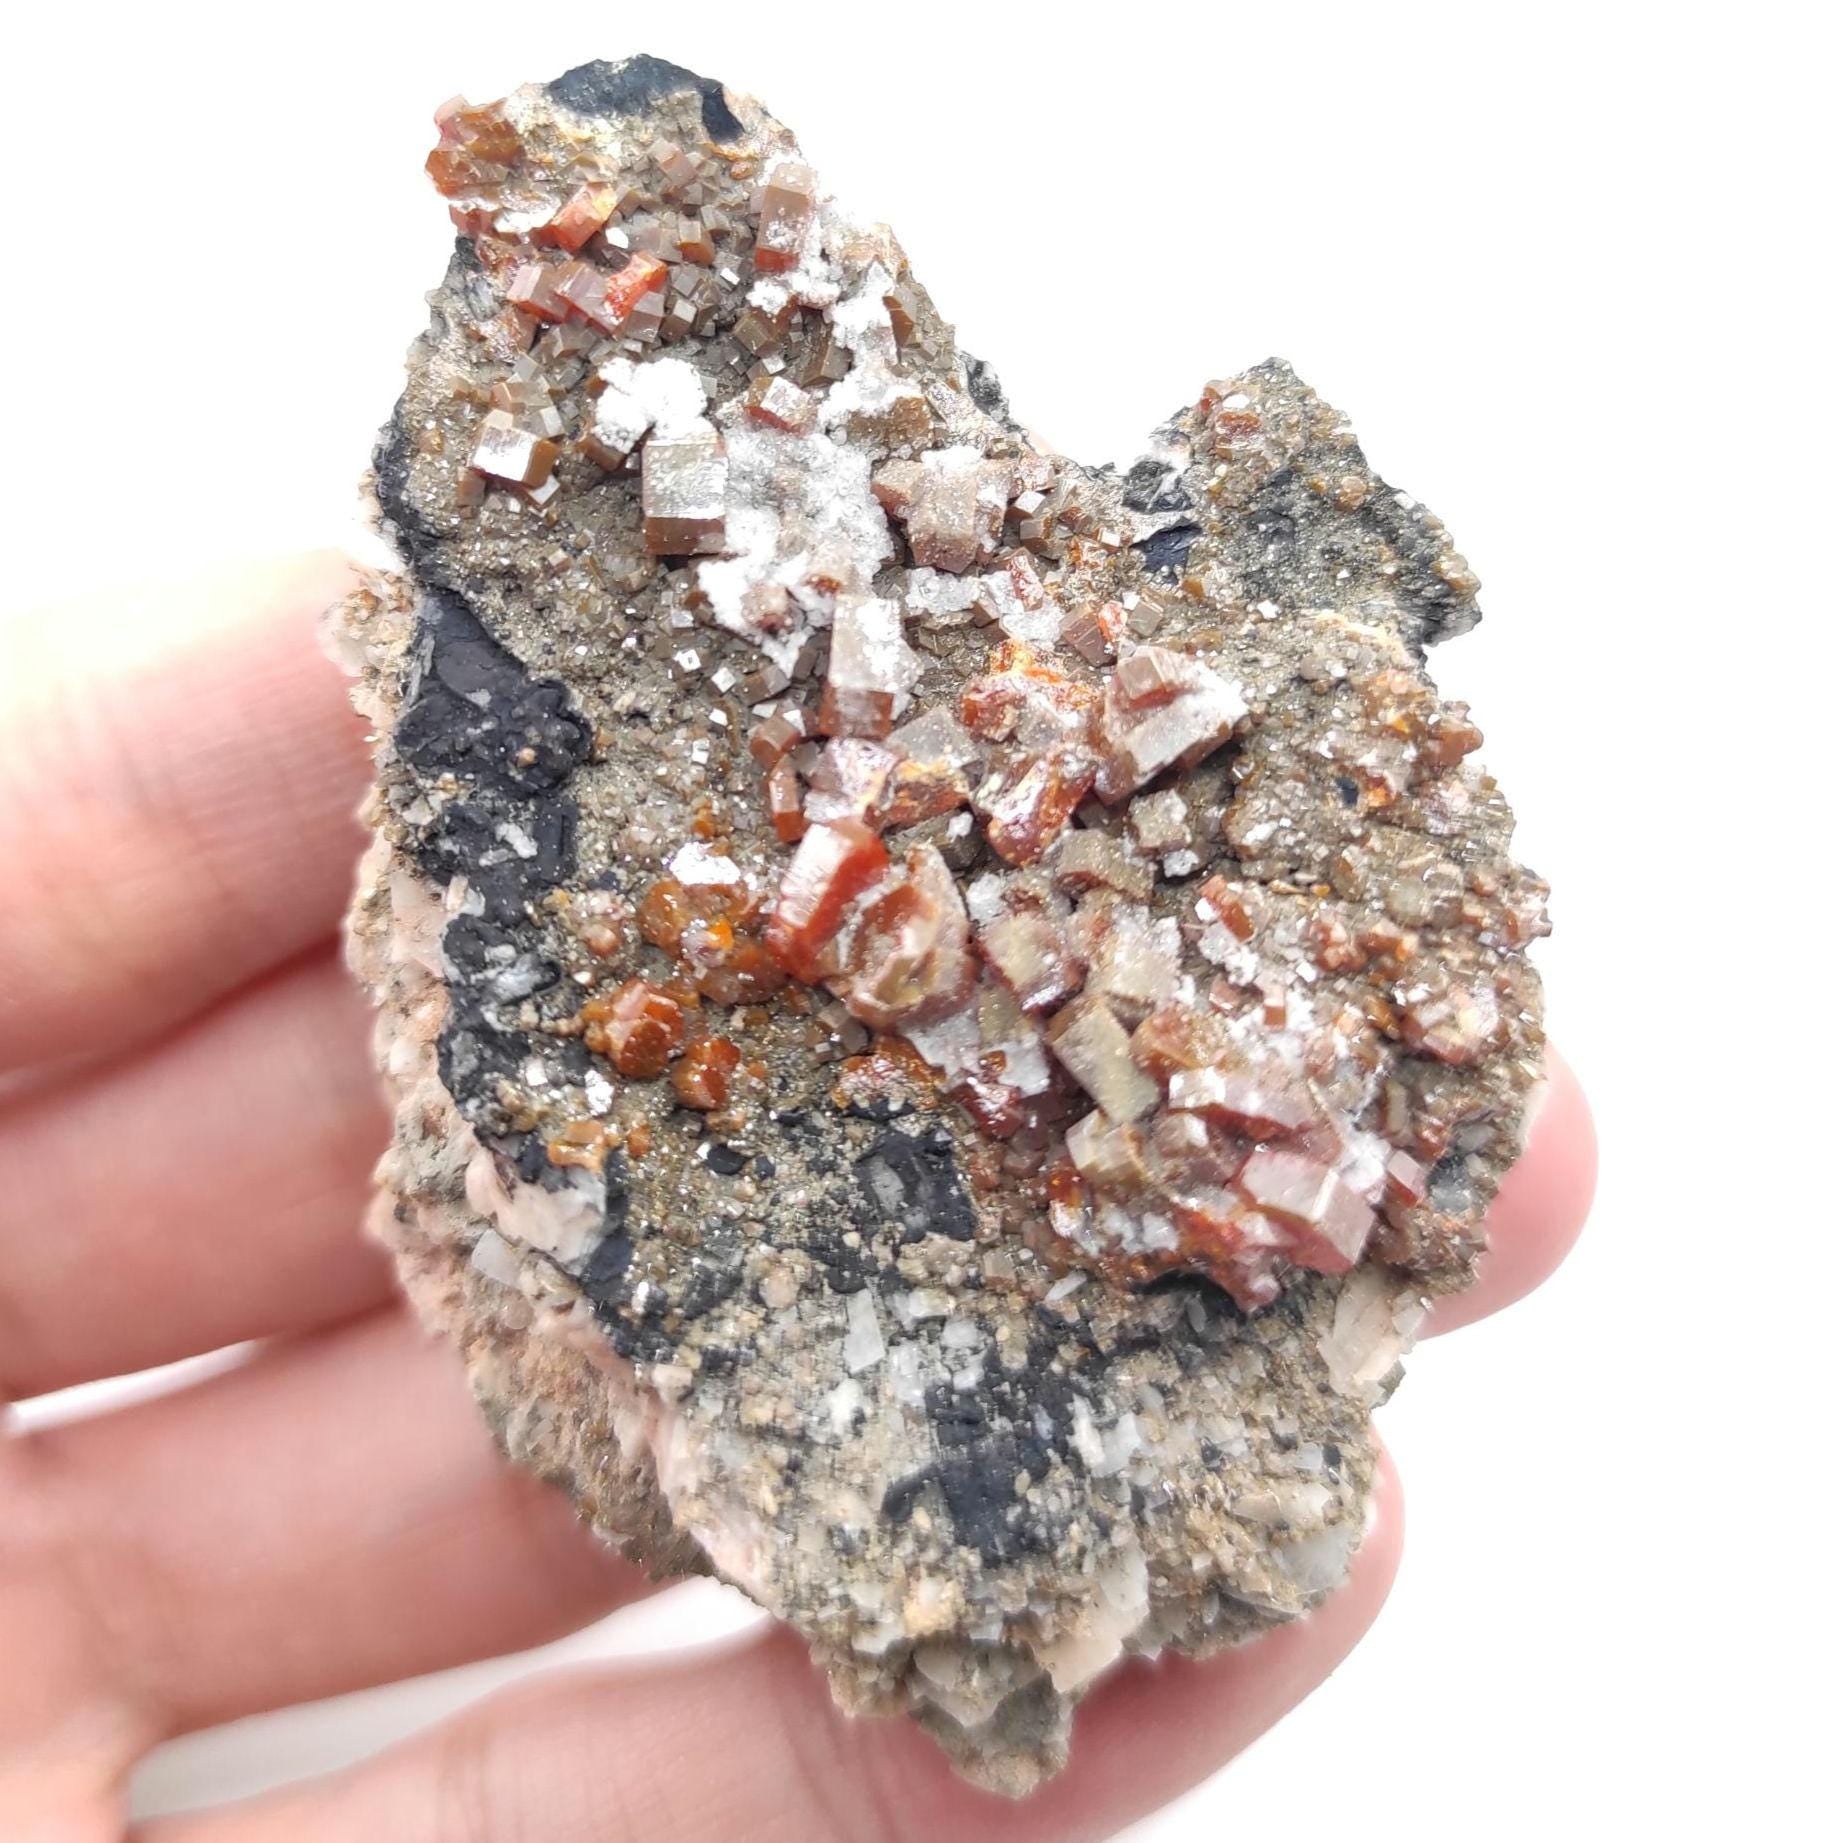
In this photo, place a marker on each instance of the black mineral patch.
(390, 467)
(465, 840)
(978, 1485)
(635, 84)
(983, 387)
(915, 1181)
(724, 1159)
(472, 717)
(711, 1281)
(473, 711)
(1016, 1423)
(603, 1277)
(846, 1268)
(1151, 486)
(1167, 550)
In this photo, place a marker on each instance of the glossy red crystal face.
(640, 276)
(909, 957)
(585, 211)
(639, 1029)
(833, 863)
(1027, 815)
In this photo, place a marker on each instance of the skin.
(178, 773)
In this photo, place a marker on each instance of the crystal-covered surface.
(967, 998)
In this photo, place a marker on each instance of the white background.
(1562, 267)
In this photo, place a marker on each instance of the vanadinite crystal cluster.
(948, 1008)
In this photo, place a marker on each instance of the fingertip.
(177, 796)
(1540, 1211)
(295, 583)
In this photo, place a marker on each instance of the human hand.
(187, 1121)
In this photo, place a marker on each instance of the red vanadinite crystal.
(477, 145)
(1161, 708)
(579, 217)
(850, 780)
(782, 791)
(787, 201)
(1404, 1180)
(781, 404)
(921, 790)
(701, 1077)
(533, 287)
(1016, 683)
(1024, 820)
(746, 975)
(1175, 1037)
(482, 128)
(453, 172)
(994, 1107)
(770, 739)
(642, 274)
(835, 862)
(910, 961)
(1030, 952)
(1327, 1223)
(705, 925)
(639, 1028)
(1230, 1098)
(669, 907)
(1231, 905)
(583, 289)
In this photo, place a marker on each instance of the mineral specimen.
(947, 1008)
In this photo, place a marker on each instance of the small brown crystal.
(782, 404)
(509, 452)
(785, 810)
(534, 288)
(1093, 1047)
(1030, 952)
(870, 669)
(682, 481)
(786, 209)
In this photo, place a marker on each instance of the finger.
(330, 1516)
(1538, 1215)
(742, 1745)
(203, 1192)
(175, 825)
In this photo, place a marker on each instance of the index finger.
(176, 807)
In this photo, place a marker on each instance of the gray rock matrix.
(688, 459)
